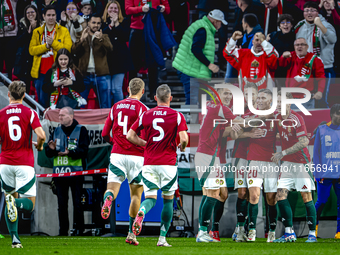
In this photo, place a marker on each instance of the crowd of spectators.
(110, 41)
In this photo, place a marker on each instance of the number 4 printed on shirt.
(123, 123)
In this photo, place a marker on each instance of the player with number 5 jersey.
(162, 125)
(126, 160)
(17, 175)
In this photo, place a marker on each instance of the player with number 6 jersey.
(126, 160)
(162, 125)
(17, 173)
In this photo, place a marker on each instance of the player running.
(294, 170)
(126, 160)
(261, 170)
(17, 175)
(162, 125)
(239, 161)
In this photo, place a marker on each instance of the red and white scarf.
(7, 18)
(306, 70)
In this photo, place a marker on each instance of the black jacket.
(80, 151)
(256, 8)
(288, 8)
(282, 42)
(119, 60)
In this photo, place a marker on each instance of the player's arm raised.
(302, 143)
(135, 139)
(184, 140)
(39, 144)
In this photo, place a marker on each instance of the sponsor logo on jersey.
(304, 187)
(328, 140)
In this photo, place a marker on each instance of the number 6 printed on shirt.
(12, 127)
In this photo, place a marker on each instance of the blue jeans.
(116, 87)
(101, 87)
(330, 75)
(43, 98)
(324, 189)
(230, 73)
(191, 86)
(309, 105)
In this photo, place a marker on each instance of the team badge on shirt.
(221, 182)
(240, 182)
(251, 182)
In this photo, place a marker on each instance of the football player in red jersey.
(261, 170)
(239, 161)
(162, 125)
(17, 175)
(126, 160)
(295, 170)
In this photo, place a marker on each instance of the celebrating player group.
(144, 144)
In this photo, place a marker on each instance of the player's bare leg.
(13, 204)
(272, 215)
(136, 194)
(110, 194)
(241, 212)
(254, 196)
(287, 214)
(217, 214)
(207, 208)
(311, 215)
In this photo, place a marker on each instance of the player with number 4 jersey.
(126, 160)
(17, 175)
(162, 125)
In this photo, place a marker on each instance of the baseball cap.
(218, 15)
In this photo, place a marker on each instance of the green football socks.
(253, 211)
(207, 209)
(217, 215)
(166, 216)
(286, 213)
(147, 205)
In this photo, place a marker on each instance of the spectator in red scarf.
(304, 67)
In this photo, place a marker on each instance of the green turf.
(147, 245)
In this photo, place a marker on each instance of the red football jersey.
(241, 145)
(121, 117)
(210, 135)
(290, 136)
(17, 122)
(161, 125)
(262, 149)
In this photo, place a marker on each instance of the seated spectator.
(45, 43)
(321, 38)
(303, 68)
(275, 8)
(282, 41)
(23, 60)
(119, 60)
(137, 9)
(250, 26)
(92, 49)
(58, 5)
(63, 82)
(255, 65)
(73, 21)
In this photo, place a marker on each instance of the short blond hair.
(163, 93)
(136, 85)
(17, 89)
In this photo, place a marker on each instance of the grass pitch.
(147, 245)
